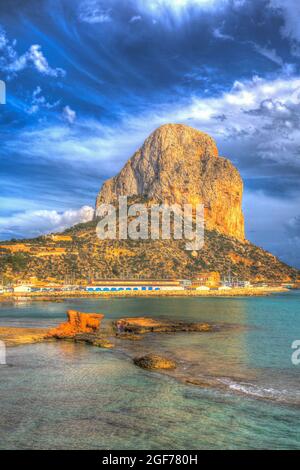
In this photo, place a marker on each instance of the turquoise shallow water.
(62, 395)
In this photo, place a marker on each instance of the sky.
(88, 80)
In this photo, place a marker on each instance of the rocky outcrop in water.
(85, 328)
(179, 164)
(141, 325)
(153, 361)
(77, 323)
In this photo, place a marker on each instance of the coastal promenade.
(57, 296)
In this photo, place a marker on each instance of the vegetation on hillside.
(84, 257)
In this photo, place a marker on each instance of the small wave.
(257, 391)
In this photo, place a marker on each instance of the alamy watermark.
(2, 353)
(295, 358)
(2, 92)
(155, 222)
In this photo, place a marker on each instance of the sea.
(235, 388)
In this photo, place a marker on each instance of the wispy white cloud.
(69, 114)
(38, 222)
(180, 7)
(38, 101)
(94, 11)
(218, 34)
(11, 63)
(270, 54)
(36, 57)
(135, 19)
(97, 11)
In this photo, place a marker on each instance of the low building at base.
(209, 279)
(135, 285)
(22, 289)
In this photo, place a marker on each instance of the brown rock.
(94, 340)
(17, 336)
(77, 323)
(179, 164)
(140, 325)
(153, 361)
(103, 343)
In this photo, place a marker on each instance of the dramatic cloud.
(290, 9)
(264, 114)
(11, 63)
(34, 223)
(257, 119)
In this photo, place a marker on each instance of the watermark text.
(155, 222)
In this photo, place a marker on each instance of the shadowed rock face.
(179, 164)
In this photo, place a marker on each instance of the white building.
(22, 289)
(137, 287)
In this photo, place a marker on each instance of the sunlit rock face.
(179, 164)
(77, 323)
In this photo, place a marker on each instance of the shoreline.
(138, 341)
(15, 337)
(20, 336)
(61, 296)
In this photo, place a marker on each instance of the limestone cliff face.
(179, 164)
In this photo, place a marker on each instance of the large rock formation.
(179, 164)
(78, 323)
(176, 164)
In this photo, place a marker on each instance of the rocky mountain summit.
(178, 164)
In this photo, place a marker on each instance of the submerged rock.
(129, 336)
(103, 343)
(94, 340)
(153, 361)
